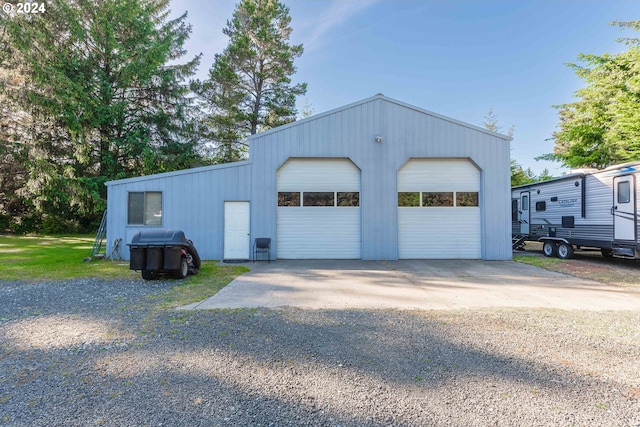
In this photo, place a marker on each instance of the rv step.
(623, 251)
(518, 242)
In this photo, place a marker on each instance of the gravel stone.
(95, 352)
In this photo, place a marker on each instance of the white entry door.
(236, 230)
(525, 212)
(624, 208)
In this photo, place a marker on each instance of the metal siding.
(554, 212)
(192, 202)
(599, 188)
(407, 132)
(596, 225)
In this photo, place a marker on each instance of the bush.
(57, 225)
(28, 223)
(5, 221)
(41, 224)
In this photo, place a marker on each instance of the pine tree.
(249, 88)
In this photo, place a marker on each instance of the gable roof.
(380, 96)
(177, 172)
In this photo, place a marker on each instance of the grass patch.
(61, 257)
(196, 288)
(55, 258)
(587, 265)
(543, 262)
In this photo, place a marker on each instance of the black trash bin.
(163, 252)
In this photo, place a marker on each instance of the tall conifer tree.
(249, 88)
(104, 95)
(602, 127)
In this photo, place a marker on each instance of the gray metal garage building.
(376, 179)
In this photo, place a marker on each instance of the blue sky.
(454, 57)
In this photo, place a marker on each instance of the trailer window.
(541, 206)
(525, 203)
(624, 192)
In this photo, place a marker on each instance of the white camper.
(589, 208)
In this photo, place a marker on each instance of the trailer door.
(525, 212)
(624, 208)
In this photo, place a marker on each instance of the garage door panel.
(439, 233)
(317, 233)
(318, 175)
(430, 174)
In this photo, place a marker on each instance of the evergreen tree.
(545, 175)
(102, 99)
(249, 88)
(603, 126)
(518, 176)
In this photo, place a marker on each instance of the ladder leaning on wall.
(100, 237)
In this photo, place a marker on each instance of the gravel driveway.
(101, 353)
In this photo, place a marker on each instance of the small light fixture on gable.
(378, 138)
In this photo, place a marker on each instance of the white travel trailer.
(588, 208)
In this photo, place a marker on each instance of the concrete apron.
(414, 284)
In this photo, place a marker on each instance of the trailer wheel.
(549, 249)
(565, 251)
(607, 253)
(182, 272)
(149, 274)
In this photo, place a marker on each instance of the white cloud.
(339, 12)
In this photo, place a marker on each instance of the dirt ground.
(587, 263)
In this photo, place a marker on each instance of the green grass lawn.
(53, 258)
(42, 258)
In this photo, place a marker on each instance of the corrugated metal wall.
(407, 132)
(192, 200)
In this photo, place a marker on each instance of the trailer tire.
(565, 251)
(607, 253)
(183, 271)
(149, 274)
(549, 249)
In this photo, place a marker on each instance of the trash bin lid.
(159, 238)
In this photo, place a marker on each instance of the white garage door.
(318, 209)
(438, 209)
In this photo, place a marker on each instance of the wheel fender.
(553, 239)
